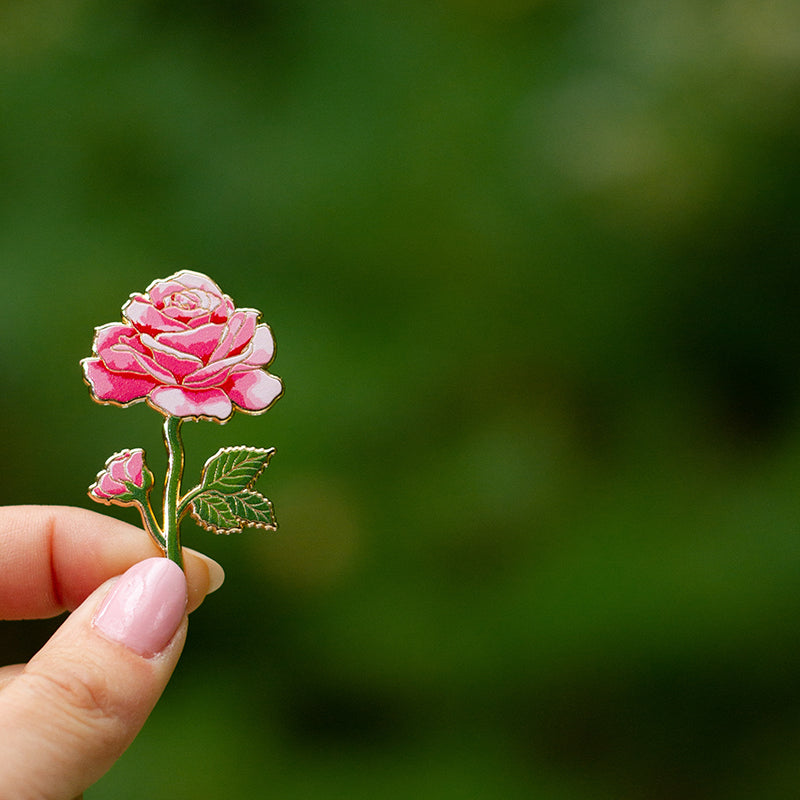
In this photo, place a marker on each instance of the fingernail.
(216, 575)
(145, 607)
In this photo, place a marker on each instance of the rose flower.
(187, 350)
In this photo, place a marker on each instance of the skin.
(70, 712)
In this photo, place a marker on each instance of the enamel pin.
(190, 354)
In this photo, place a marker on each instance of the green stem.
(172, 488)
(183, 505)
(150, 524)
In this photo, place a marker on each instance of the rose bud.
(124, 480)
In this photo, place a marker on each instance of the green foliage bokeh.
(533, 273)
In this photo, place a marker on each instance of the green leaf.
(227, 513)
(212, 513)
(234, 469)
(253, 510)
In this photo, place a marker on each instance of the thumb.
(82, 699)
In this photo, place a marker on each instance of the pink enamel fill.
(123, 358)
(135, 468)
(186, 349)
(146, 317)
(255, 390)
(116, 387)
(181, 281)
(200, 342)
(263, 347)
(118, 468)
(109, 335)
(240, 331)
(175, 364)
(216, 373)
(107, 487)
(126, 358)
(122, 467)
(179, 401)
(190, 310)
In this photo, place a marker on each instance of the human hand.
(67, 715)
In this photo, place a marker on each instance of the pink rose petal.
(109, 335)
(115, 387)
(200, 342)
(254, 391)
(108, 487)
(160, 289)
(117, 469)
(263, 347)
(175, 364)
(189, 310)
(215, 374)
(240, 329)
(123, 357)
(191, 298)
(147, 318)
(178, 401)
(135, 467)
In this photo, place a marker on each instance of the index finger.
(53, 557)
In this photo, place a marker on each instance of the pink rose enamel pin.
(186, 350)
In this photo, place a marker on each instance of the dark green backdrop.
(532, 268)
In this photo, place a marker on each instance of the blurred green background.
(532, 268)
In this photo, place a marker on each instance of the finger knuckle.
(77, 690)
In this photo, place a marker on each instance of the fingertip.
(216, 574)
(10, 673)
(203, 574)
(145, 607)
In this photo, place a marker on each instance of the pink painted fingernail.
(145, 607)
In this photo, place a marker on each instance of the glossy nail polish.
(145, 607)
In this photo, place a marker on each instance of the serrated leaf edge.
(267, 451)
(227, 531)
